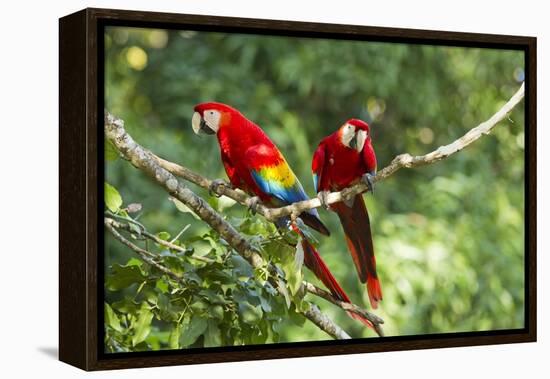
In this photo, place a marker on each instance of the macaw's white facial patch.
(353, 138)
(209, 123)
(348, 133)
(212, 119)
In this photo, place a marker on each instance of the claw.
(368, 179)
(214, 187)
(323, 198)
(252, 203)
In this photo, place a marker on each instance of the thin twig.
(125, 219)
(348, 307)
(153, 165)
(148, 163)
(180, 233)
(159, 241)
(147, 256)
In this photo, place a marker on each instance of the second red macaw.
(254, 164)
(342, 159)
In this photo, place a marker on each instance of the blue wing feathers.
(286, 195)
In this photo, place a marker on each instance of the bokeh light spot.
(519, 74)
(158, 39)
(136, 58)
(376, 107)
(426, 135)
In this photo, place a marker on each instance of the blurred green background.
(448, 237)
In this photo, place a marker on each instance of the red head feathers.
(209, 117)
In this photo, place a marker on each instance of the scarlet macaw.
(344, 158)
(254, 164)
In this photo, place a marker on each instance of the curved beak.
(199, 125)
(353, 141)
(357, 142)
(360, 138)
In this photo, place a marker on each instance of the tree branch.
(408, 161)
(154, 238)
(348, 307)
(162, 171)
(323, 322)
(313, 314)
(403, 160)
(148, 163)
(147, 256)
(145, 161)
(308, 287)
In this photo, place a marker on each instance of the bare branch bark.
(348, 307)
(325, 323)
(145, 161)
(191, 176)
(148, 163)
(403, 160)
(163, 172)
(310, 288)
(408, 161)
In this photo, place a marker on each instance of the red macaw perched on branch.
(342, 159)
(254, 164)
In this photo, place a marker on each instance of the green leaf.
(196, 327)
(142, 327)
(302, 306)
(124, 276)
(296, 318)
(213, 296)
(199, 306)
(250, 314)
(266, 306)
(290, 260)
(294, 273)
(183, 208)
(113, 200)
(111, 152)
(213, 336)
(242, 269)
(174, 339)
(134, 262)
(216, 311)
(284, 290)
(258, 338)
(224, 203)
(163, 236)
(162, 286)
(111, 318)
(126, 305)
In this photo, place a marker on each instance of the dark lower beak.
(353, 142)
(205, 128)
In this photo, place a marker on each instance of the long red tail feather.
(356, 224)
(315, 263)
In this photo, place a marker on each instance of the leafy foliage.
(224, 302)
(448, 237)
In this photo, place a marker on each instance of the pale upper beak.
(358, 140)
(361, 137)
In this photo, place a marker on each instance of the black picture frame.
(81, 188)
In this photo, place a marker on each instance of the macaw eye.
(211, 112)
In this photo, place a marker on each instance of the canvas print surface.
(252, 195)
